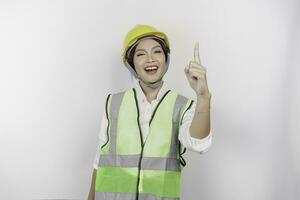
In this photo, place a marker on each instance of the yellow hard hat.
(141, 31)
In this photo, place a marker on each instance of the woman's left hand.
(196, 75)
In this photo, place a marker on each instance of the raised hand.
(196, 74)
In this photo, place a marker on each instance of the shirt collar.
(141, 95)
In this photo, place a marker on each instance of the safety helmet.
(132, 38)
(138, 32)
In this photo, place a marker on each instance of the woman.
(139, 155)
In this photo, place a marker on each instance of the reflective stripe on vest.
(132, 169)
(125, 196)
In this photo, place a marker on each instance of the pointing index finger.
(196, 53)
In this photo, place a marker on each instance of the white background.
(59, 60)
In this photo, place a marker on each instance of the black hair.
(166, 51)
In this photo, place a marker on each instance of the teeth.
(151, 68)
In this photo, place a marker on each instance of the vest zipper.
(139, 171)
(142, 145)
(141, 135)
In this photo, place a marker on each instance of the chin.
(152, 80)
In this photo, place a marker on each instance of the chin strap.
(154, 85)
(151, 85)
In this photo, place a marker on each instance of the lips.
(151, 68)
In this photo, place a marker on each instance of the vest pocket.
(160, 183)
(116, 179)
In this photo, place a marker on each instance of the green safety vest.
(130, 169)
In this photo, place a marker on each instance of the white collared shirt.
(146, 110)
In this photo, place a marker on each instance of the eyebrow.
(144, 49)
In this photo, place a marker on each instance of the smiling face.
(149, 60)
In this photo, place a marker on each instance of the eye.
(158, 51)
(139, 54)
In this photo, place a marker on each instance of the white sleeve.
(102, 138)
(184, 136)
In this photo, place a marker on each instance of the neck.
(150, 93)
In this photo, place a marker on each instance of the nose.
(150, 58)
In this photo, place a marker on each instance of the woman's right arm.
(92, 189)
(102, 140)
